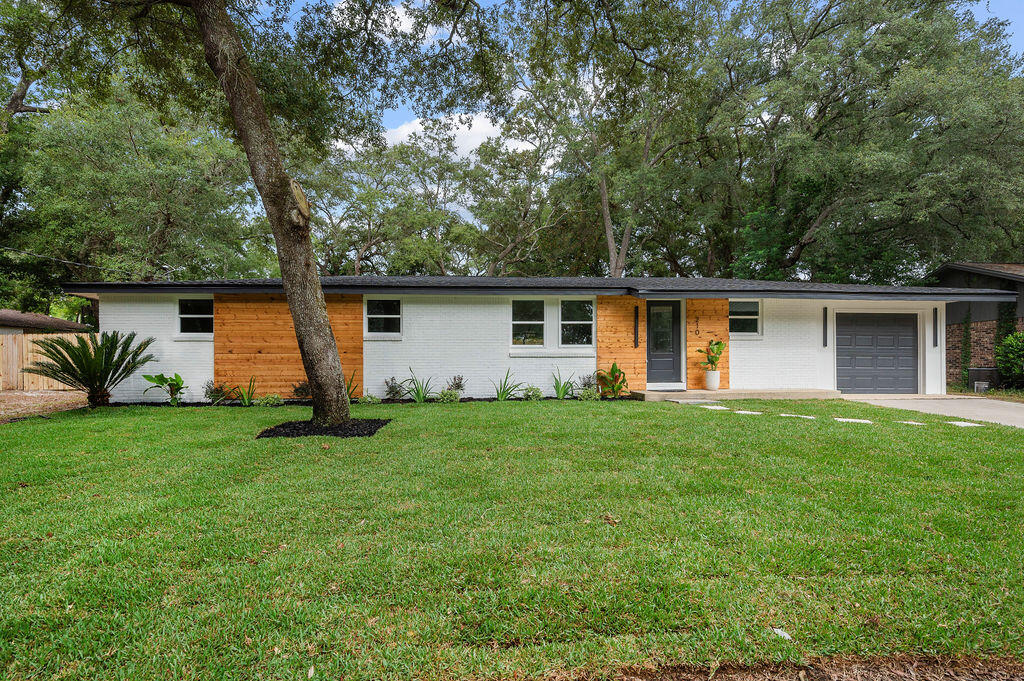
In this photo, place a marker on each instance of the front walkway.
(19, 403)
(975, 408)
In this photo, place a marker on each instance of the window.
(527, 322)
(745, 317)
(577, 322)
(384, 316)
(195, 315)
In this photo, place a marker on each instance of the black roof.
(644, 287)
(1013, 271)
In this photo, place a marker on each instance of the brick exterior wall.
(983, 341)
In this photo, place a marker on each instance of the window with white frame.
(527, 322)
(745, 317)
(576, 322)
(384, 316)
(195, 315)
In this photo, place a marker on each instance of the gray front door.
(876, 353)
(664, 342)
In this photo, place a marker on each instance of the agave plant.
(93, 364)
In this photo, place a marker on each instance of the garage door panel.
(876, 353)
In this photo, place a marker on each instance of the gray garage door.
(876, 353)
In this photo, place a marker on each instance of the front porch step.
(715, 395)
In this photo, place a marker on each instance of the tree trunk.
(616, 253)
(287, 210)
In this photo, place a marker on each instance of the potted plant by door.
(712, 377)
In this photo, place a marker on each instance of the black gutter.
(959, 296)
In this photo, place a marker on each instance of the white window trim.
(592, 322)
(512, 325)
(383, 335)
(191, 336)
(747, 335)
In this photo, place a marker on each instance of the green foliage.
(369, 399)
(246, 396)
(532, 393)
(586, 382)
(1010, 359)
(563, 389)
(301, 390)
(271, 400)
(174, 386)
(449, 396)
(218, 392)
(1006, 320)
(589, 394)
(457, 383)
(417, 390)
(506, 388)
(612, 382)
(93, 364)
(713, 353)
(351, 386)
(393, 389)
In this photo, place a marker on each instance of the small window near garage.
(576, 322)
(195, 315)
(384, 316)
(745, 317)
(527, 322)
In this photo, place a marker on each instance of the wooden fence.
(17, 351)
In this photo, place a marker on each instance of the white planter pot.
(712, 379)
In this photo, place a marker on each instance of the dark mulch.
(352, 428)
(895, 668)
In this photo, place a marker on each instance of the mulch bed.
(351, 428)
(895, 668)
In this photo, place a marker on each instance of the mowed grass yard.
(503, 539)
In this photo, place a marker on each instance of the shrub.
(93, 364)
(507, 388)
(613, 381)
(351, 386)
(369, 399)
(272, 400)
(586, 382)
(417, 389)
(218, 392)
(449, 396)
(1010, 358)
(393, 389)
(589, 394)
(713, 354)
(563, 389)
(532, 393)
(302, 390)
(247, 396)
(174, 386)
(457, 383)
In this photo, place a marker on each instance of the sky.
(401, 122)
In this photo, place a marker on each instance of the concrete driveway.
(971, 408)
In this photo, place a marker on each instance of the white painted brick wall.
(468, 335)
(157, 315)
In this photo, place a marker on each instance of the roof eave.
(977, 270)
(983, 295)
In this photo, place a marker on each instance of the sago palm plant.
(93, 364)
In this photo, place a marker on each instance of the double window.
(575, 322)
(745, 317)
(384, 316)
(195, 315)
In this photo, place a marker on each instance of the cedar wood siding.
(615, 341)
(254, 336)
(706, 319)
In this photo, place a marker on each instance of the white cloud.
(468, 135)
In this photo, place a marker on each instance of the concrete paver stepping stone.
(911, 423)
(852, 420)
(716, 407)
(799, 416)
(965, 424)
(744, 411)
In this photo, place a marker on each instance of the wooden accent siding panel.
(615, 340)
(706, 319)
(253, 335)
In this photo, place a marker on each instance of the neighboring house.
(781, 335)
(14, 322)
(984, 314)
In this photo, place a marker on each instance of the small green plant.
(713, 353)
(246, 396)
(93, 364)
(301, 390)
(1010, 359)
(218, 392)
(532, 393)
(351, 386)
(449, 396)
(457, 383)
(613, 381)
(393, 389)
(369, 399)
(589, 394)
(507, 389)
(418, 390)
(586, 381)
(271, 400)
(174, 386)
(563, 389)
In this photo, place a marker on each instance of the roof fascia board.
(824, 295)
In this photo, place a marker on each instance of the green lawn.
(487, 540)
